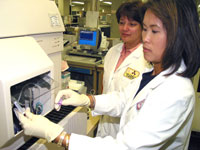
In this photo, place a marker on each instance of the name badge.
(131, 73)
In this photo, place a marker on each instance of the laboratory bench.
(100, 71)
(92, 124)
(87, 66)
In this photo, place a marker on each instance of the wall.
(111, 9)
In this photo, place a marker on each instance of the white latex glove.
(39, 126)
(69, 97)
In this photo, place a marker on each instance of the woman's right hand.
(70, 97)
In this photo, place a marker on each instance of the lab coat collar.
(138, 51)
(116, 50)
(135, 54)
(116, 58)
(162, 76)
(158, 80)
(119, 48)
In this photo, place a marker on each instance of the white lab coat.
(116, 81)
(159, 117)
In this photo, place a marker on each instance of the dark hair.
(180, 19)
(132, 10)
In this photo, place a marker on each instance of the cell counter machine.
(31, 41)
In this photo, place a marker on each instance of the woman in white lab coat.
(123, 59)
(161, 112)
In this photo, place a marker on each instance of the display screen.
(87, 38)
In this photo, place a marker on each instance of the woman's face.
(154, 38)
(130, 31)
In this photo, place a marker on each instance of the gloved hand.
(39, 126)
(69, 97)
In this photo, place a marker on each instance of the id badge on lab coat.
(131, 73)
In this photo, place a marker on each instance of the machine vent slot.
(54, 116)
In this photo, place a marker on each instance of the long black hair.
(180, 19)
